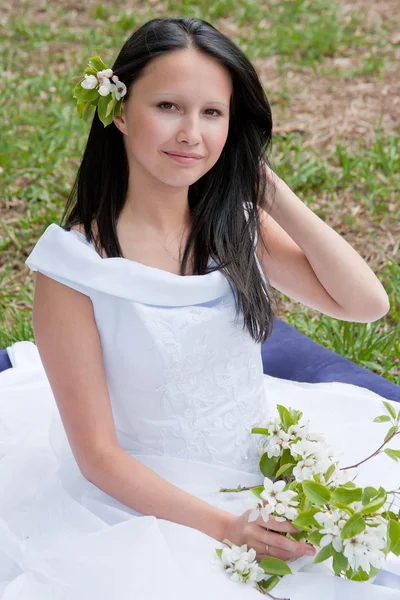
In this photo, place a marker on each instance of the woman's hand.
(258, 534)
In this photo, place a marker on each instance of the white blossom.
(90, 82)
(298, 431)
(365, 549)
(120, 90)
(332, 525)
(278, 439)
(241, 564)
(281, 502)
(105, 73)
(259, 508)
(106, 87)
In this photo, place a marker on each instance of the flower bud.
(104, 90)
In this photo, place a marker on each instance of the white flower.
(280, 502)
(120, 90)
(90, 82)
(105, 73)
(365, 549)
(106, 87)
(258, 508)
(316, 437)
(332, 525)
(305, 448)
(241, 564)
(286, 511)
(298, 431)
(274, 427)
(277, 442)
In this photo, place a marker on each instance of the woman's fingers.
(272, 523)
(273, 551)
(278, 540)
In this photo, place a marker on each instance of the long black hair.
(220, 227)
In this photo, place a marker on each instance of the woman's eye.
(209, 109)
(166, 104)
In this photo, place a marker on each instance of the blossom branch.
(372, 455)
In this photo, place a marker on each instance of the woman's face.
(179, 104)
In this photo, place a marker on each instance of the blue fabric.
(289, 354)
(5, 362)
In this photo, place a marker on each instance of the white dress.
(186, 386)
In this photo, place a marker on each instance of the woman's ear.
(120, 120)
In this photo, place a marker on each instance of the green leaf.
(390, 409)
(91, 71)
(102, 108)
(86, 95)
(340, 562)
(359, 575)
(329, 472)
(389, 514)
(284, 468)
(323, 554)
(375, 504)
(346, 508)
(268, 466)
(296, 415)
(111, 106)
(394, 454)
(315, 538)
(355, 525)
(79, 107)
(286, 417)
(117, 110)
(369, 493)
(86, 108)
(218, 551)
(394, 537)
(293, 486)
(344, 495)
(382, 419)
(275, 566)
(270, 583)
(305, 520)
(260, 430)
(96, 63)
(257, 490)
(316, 493)
(286, 457)
(391, 432)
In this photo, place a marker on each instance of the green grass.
(42, 140)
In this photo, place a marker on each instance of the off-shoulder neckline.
(136, 263)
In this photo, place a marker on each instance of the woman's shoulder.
(94, 236)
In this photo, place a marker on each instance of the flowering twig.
(372, 455)
(239, 488)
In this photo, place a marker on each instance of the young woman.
(152, 299)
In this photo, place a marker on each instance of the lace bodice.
(185, 378)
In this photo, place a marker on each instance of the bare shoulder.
(94, 229)
(79, 227)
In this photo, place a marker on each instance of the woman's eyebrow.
(177, 95)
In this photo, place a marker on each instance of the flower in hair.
(99, 87)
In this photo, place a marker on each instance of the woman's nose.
(190, 130)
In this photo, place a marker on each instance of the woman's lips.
(184, 160)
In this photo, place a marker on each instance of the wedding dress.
(186, 385)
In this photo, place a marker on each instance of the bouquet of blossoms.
(354, 527)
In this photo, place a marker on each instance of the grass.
(352, 182)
